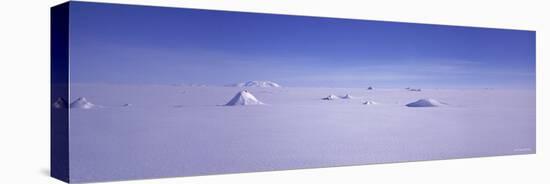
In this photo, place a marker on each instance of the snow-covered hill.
(244, 98)
(425, 103)
(82, 103)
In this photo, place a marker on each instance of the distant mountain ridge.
(263, 84)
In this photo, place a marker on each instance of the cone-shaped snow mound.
(348, 96)
(425, 103)
(368, 102)
(263, 84)
(330, 97)
(244, 98)
(82, 103)
(60, 103)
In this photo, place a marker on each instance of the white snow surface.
(263, 84)
(244, 98)
(168, 133)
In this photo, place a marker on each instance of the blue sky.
(150, 45)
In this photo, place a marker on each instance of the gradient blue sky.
(150, 45)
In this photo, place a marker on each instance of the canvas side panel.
(59, 122)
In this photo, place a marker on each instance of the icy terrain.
(184, 130)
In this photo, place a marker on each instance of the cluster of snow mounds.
(60, 103)
(425, 103)
(334, 97)
(414, 89)
(82, 103)
(348, 96)
(369, 102)
(262, 84)
(330, 97)
(244, 98)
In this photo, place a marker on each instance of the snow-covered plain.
(184, 131)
